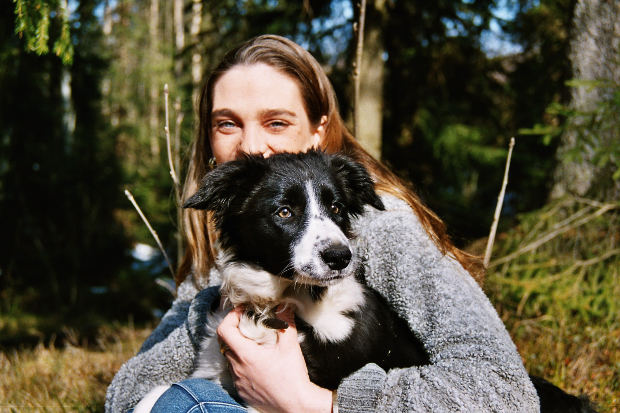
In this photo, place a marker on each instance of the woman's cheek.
(224, 148)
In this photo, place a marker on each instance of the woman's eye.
(277, 125)
(225, 124)
(336, 208)
(284, 212)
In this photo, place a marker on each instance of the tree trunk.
(196, 54)
(371, 80)
(179, 37)
(594, 56)
(154, 103)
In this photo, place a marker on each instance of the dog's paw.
(257, 331)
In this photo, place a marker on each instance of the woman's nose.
(254, 141)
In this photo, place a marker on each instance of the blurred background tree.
(444, 84)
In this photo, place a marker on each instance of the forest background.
(444, 86)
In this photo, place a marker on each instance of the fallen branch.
(498, 207)
(148, 225)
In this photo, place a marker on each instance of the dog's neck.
(324, 308)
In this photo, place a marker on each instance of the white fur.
(326, 316)
(320, 232)
(148, 401)
(242, 284)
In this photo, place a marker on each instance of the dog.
(284, 226)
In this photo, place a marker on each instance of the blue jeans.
(196, 396)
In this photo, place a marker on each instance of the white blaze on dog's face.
(323, 252)
(290, 214)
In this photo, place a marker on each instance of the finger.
(288, 336)
(229, 326)
(228, 332)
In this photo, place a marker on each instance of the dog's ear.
(360, 186)
(226, 183)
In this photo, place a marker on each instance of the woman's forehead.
(255, 81)
(255, 84)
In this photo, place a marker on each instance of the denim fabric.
(196, 396)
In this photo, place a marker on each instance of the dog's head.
(290, 214)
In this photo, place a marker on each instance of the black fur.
(555, 400)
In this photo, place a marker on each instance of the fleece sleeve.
(474, 365)
(167, 356)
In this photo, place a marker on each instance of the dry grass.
(582, 362)
(69, 379)
(560, 301)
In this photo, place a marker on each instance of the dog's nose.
(336, 257)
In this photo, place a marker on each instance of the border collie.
(285, 235)
(284, 226)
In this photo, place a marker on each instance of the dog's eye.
(284, 212)
(336, 208)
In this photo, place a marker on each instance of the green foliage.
(32, 22)
(597, 128)
(450, 109)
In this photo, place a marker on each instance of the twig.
(177, 134)
(498, 207)
(167, 285)
(596, 260)
(148, 225)
(167, 130)
(358, 67)
(550, 235)
(177, 165)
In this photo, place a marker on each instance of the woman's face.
(259, 110)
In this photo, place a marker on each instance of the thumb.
(287, 314)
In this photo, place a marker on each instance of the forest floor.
(559, 302)
(74, 378)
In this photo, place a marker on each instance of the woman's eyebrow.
(274, 113)
(225, 113)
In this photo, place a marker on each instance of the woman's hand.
(272, 378)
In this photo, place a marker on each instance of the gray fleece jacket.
(474, 365)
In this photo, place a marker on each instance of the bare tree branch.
(173, 174)
(498, 207)
(148, 225)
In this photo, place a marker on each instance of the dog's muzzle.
(336, 257)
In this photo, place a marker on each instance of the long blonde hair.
(319, 100)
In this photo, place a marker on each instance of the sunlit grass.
(68, 379)
(561, 302)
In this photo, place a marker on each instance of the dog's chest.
(328, 315)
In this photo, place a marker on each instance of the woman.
(269, 95)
